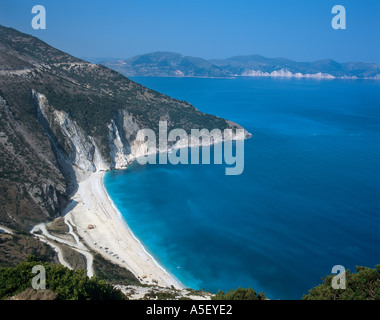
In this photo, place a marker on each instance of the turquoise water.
(308, 199)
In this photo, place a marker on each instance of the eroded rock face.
(72, 146)
(118, 150)
(47, 196)
(38, 192)
(79, 152)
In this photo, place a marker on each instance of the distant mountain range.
(169, 64)
(166, 64)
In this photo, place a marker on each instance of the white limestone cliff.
(78, 153)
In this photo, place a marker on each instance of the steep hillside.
(63, 118)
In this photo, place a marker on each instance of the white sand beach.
(102, 228)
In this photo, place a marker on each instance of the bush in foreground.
(239, 294)
(66, 284)
(362, 285)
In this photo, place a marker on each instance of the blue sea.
(308, 198)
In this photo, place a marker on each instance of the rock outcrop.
(78, 153)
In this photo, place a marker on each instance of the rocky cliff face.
(122, 133)
(78, 153)
(32, 188)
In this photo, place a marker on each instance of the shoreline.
(124, 222)
(102, 227)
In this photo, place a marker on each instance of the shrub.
(239, 294)
(362, 285)
(65, 283)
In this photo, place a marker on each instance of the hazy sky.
(299, 30)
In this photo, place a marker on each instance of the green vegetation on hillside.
(362, 285)
(239, 294)
(16, 248)
(66, 284)
(113, 273)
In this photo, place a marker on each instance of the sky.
(299, 30)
